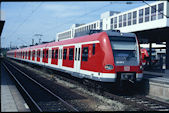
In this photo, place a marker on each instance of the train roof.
(90, 37)
(86, 38)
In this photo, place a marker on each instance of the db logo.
(126, 68)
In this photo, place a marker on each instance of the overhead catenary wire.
(88, 13)
(72, 20)
(19, 26)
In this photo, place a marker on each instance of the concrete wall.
(159, 90)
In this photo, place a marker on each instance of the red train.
(144, 55)
(106, 56)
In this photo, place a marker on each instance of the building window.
(64, 54)
(134, 17)
(124, 20)
(141, 16)
(95, 26)
(129, 19)
(111, 22)
(120, 21)
(160, 10)
(85, 54)
(147, 12)
(101, 24)
(115, 22)
(71, 52)
(153, 12)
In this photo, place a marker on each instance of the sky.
(25, 19)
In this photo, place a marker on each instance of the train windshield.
(125, 50)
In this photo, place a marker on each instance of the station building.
(150, 22)
(137, 19)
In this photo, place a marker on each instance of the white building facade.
(155, 15)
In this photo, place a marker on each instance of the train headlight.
(141, 67)
(108, 67)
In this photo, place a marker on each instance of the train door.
(60, 56)
(77, 58)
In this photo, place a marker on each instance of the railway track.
(140, 102)
(39, 98)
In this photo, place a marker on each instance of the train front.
(126, 53)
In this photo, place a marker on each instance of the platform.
(157, 84)
(11, 99)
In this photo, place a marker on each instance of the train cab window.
(94, 45)
(56, 53)
(64, 54)
(71, 52)
(85, 54)
(52, 54)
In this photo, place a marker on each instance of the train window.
(25, 54)
(64, 54)
(38, 53)
(56, 54)
(52, 54)
(29, 54)
(85, 54)
(94, 48)
(46, 53)
(79, 54)
(33, 53)
(61, 53)
(76, 54)
(43, 53)
(71, 51)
